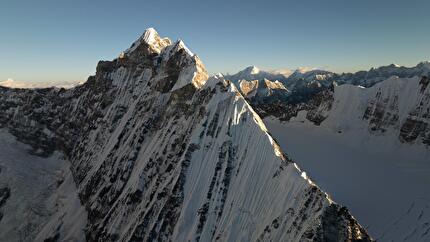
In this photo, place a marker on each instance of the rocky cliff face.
(159, 151)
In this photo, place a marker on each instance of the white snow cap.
(149, 35)
(182, 45)
(252, 70)
(151, 38)
(156, 43)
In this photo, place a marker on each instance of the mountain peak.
(303, 69)
(152, 39)
(251, 70)
(173, 63)
(181, 45)
(150, 35)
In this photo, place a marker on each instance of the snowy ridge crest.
(276, 148)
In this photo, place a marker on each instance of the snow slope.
(396, 106)
(43, 197)
(393, 176)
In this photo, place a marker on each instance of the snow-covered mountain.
(307, 79)
(290, 79)
(378, 138)
(267, 87)
(254, 73)
(262, 89)
(37, 195)
(375, 75)
(158, 151)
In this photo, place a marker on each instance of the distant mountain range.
(303, 77)
(43, 84)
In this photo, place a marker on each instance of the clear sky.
(63, 40)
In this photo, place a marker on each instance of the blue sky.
(63, 40)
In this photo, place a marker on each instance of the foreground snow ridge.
(159, 151)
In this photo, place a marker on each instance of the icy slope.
(41, 195)
(159, 152)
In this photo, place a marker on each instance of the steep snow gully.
(158, 151)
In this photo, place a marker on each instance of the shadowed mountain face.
(159, 151)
